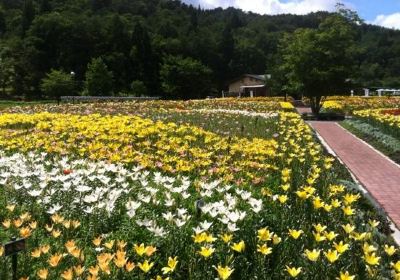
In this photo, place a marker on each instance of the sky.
(380, 12)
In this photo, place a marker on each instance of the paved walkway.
(302, 110)
(379, 175)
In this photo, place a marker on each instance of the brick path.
(380, 176)
(302, 110)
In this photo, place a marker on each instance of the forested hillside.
(158, 47)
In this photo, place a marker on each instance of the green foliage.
(26, 78)
(28, 14)
(99, 80)
(57, 83)
(2, 22)
(135, 37)
(144, 59)
(44, 6)
(138, 88)
(319, 62)
(6, 70)
(185, 78)
(100, 4)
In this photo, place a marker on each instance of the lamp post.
(12, 249)
(73, 80)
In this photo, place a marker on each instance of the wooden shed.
(249, 85)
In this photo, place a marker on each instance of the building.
(248, 85)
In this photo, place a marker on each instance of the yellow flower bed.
(379, 116)
(332, 105)
(350, 104)
(132, 139)
(286, 105)
(259, 104)
(223, 206)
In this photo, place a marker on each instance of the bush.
(185, 78)
(57, 83)
(99, 80)
(138, 88)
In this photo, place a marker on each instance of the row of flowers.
(382, 118)
(259, 104)
(132, 139)
(98, 220)
(350, 104)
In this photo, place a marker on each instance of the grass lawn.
(8, 103)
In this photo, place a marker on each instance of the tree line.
(166, 48)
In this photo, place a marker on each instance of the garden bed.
(187, 190)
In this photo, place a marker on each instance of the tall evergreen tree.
(235, 21)
(116, 57)
(99, 80)
(6, 69)
(100, 4)
(185, 78)
(226, 49)
(3, 25)
(28, 14)
(119, 38)
(227, 45)
(194, 20)
(145, 60)
(45, 6)
(228, 41)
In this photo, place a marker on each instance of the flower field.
(222, 189)
(373, 119)
(350, 104)
(387, 120)
(259, 105)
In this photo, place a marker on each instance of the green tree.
(28, 14)
(194, 20)
(44, 7)
(51, 33)
(227, 45)
(2, 22)
(119, 50)
(320, 62)
(100, 4)
(185, 78)
(99, 80)
(138, 88)
(278, 82)
(6, 69)
(26, 77)
(145, 59)
(57, 83)
(134, 37)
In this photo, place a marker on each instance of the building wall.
(245, 81)
(256, 92)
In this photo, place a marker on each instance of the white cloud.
(390, 21)
(273, 6)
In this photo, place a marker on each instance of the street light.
(12, 248)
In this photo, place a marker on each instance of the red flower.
(395, 112)
(67, 171)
